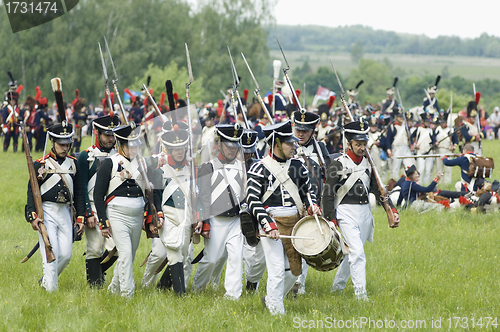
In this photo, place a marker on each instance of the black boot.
(94, 273)
(177, 276)
(108, 264)
(251, 286)
(165, 280)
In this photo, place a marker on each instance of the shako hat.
(443, 116)
(323, 112)
(249, 141)
(282, 131)
(304, 120)
(177, 138)
(410, 170)
(128, 134)
(356, 130)
(472, 106)
(61, 133)
(167, 126)
(230, 134)
(106, 124)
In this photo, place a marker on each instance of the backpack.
(480, 167)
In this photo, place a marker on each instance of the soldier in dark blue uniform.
(11, 115)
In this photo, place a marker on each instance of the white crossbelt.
(65, 169)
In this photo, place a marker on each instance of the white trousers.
(440, 166)
(401, 150)
(155, 258)
(301, 280)
(279, 278)
(57, 220)
(357, 226)
(424, 166)
(125, 217)
(255, 262)
(225, 243)
(96, 243)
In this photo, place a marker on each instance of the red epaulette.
(42, 158)
(71, 157)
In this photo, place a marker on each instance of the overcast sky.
(466, 19)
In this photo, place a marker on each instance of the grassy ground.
(434, 266)
(474, 68)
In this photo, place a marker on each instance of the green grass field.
(474, 68)
(434, 266)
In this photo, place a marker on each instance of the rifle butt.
(48, 247)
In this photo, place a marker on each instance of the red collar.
(353, 157)
(173, 163)
(396, 123)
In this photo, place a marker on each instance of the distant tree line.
(343, 39)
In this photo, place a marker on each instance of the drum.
(324, 252)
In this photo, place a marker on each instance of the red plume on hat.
(19, 88)
(38, 93)
(112, 95)
(77, 96)
(245, 94)
(132, 97)
(297, 93)
(270, 100)
(220, 107)
(477, 97)
(330, 101)
(162, 98)
(176, 96)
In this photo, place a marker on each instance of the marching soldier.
(259, 128)
(352, 103)
(304, 126)
(277, 189)
(390, 105)
(119, 197)
(399, 144)
(176, 233)
(29, 119)
(424, 139)
(136, 113)
(375, 146)
(11, 114)
(223, 178)
(80, 114)
(61, 188)
(431, 103)
(349, 179)
(89, 161)
(280, 102)
(324, 129)
(446, 141)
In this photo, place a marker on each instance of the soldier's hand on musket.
(274, 234)
(106, 232)
(197, 227)
(81, 228)
(396, 216)
(91, 221)
(34, 224)
(206, 234)
(152, 228)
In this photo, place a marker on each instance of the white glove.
(5, 130)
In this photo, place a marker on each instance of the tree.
(357, 52)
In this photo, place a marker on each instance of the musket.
(117, 91)
(152, 101)
(31, 253)
(426, 156)
(381, 187)
(477, 121)
(442, 139)
(382, 133)
(37, 198)
(407, 129)
(257, 92)
(322, 163)
(106, 88)
(192, 161)
(235, 89)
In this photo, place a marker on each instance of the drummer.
(349, 179)
(278, 204)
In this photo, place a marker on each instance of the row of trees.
(146, 38)
(343, 39)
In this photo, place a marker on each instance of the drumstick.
(315, 215)
(289, 237)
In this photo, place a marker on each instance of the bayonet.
(257, 91)
(190, 70)
(152, 101)
(117, 91)
(106, 91)
(236, 84)
(289, 82)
